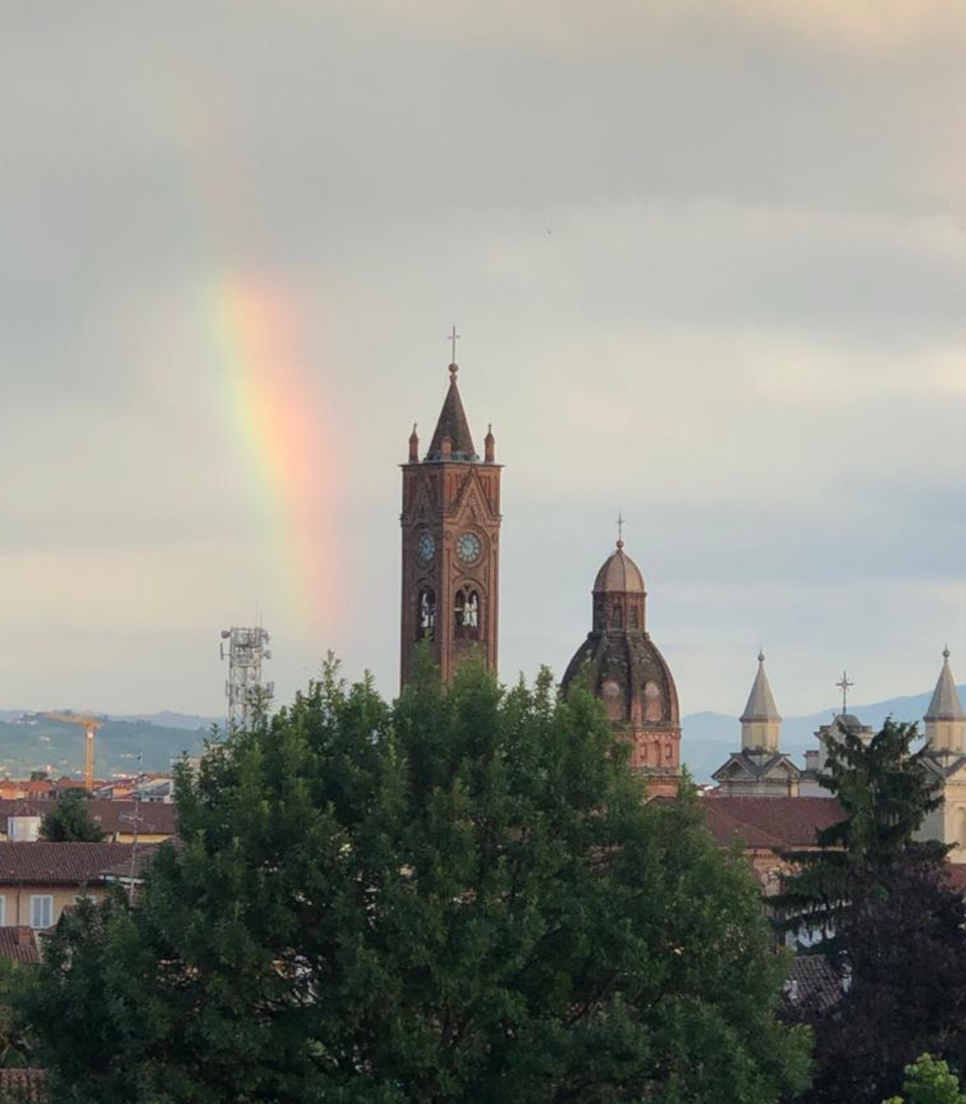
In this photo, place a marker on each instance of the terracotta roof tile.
(778, 823)
(157, 818)
(19, 945)
(28, 1086)
(23, 863)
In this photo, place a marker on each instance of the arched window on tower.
(617, 618)
(632, 618)
(468, 614)
(426, 614)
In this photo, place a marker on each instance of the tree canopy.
(461, 897)
(69, 818)
(929, 1081)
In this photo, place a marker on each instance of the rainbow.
(276, 419)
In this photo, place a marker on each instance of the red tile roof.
(19, 945)
(42, 787)
(26, 1085)
(157, 819)
(23, 863)
(774, 823)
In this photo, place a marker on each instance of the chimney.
(25, 937)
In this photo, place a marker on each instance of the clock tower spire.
(450, 543)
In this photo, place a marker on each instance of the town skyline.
(717, 302)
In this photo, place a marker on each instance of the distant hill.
(708, 738)
(29, 742)
(190, 721)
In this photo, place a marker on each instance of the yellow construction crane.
(91, 726)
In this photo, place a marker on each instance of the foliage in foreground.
(458, 898)
(929, 1081)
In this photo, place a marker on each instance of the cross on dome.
(845, 686)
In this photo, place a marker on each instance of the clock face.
(425, 546)
(468, 547)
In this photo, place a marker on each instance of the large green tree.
(462, 897)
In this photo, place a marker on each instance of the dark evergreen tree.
(882, 909)
(886, 792)
(902, 959)
(69, 819)
(460, 898)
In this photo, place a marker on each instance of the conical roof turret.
(761, 702)
(453, 425)
(946, 704)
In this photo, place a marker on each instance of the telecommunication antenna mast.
(245, 650)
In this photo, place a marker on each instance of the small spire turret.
(761, 721)
(489, 446)
(945, 718)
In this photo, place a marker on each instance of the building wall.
(948, 823)
(16, 909)
(760, 787)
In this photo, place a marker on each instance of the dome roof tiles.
(619, 574)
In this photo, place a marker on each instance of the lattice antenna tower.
(245, 650)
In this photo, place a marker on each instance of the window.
(3, 911)
(961, 827)
(632, 618)
(426, 614)
(613, 697)
(617, 618)
(467, 610)
(653, 707)
(41, 911)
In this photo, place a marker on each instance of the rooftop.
(453, 424)
(619, 574)
(40, 863)
(776, 823)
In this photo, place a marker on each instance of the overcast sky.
(708, 261)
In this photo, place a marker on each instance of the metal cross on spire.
(620, 530)
(454, 337)
(845, 686)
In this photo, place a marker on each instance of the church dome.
(619, 574)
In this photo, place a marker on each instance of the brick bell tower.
(450, 543)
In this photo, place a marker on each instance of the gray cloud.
(709, 264)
